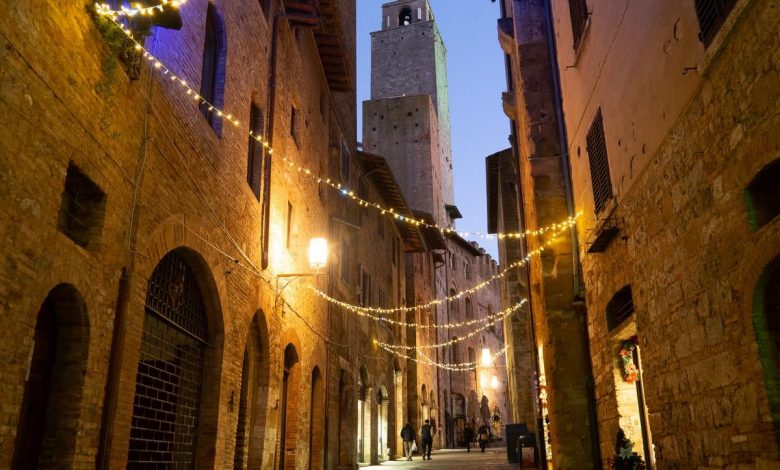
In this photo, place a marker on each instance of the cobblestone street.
(456, 459)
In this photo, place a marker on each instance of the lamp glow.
(494, 382)
(318, 253)
(486, 359)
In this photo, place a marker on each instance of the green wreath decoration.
(630, 372)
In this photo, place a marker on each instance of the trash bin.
(526, 450)
(512, 432)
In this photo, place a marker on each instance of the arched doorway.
(766, 323)
(363, 418)
(424, 410)
(317, 422)
(383, 445)
(290, 421)
(399, 408)
(346, 453)
(253, 399)
(166, 408)
(51, 405)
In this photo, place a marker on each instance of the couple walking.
(409, 437)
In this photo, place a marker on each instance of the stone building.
(407, 121)
(157, 303)
(672, 146)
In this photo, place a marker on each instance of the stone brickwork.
(172, 184)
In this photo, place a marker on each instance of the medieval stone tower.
(407, 119)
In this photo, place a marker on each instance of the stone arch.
(364, 417)
(405, 16)
(762, 195)
(253, 398)
(766, 324)
(398, 415)
(179, 364)
(53, 392)
(290, 409)
(383, 424)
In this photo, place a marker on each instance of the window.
(344, 163)
(345, 260)
(453, 302)
(599, 163)
(254, 166)
(763, 195)
(454, 351)
(365, 288)
(405, 17)
(467, 269)
(619, 308)
(579, 19)
(294, 124)
(82, 209)
(212, 83)
(469, 310)
(712, 14)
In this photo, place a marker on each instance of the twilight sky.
(475, 68)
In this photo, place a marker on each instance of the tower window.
(712, 14)
(599, 163)
(82, 209)
(254, 176)
(763, 195)
(212, 83)
(405, 17)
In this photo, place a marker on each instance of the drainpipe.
(579, 306)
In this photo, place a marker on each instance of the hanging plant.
(630, 372)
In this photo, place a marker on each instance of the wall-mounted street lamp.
(487, 359)
(318, 258)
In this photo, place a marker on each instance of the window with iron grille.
(254, 166)
(599, 163)
(82, 209)
(620, 307)
(579, 19)
(712, 14)
(164, 427)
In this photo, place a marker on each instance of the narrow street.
(455, 459)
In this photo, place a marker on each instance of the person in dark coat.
(408, 436)
(468, 436)
(426, 435)
(483, 437)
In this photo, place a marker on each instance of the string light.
(343, 190)
(491, 322)
(359, 309)
(425, 360)
(106, 10)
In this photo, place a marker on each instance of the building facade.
(157, 303)
(671, 142)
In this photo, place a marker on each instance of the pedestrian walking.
(426, 435)
(483, 437)
(468, 436)
(408, 436)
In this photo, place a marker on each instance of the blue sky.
(475, 67)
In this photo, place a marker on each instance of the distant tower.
(407, 120)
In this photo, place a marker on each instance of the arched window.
(763, 195)
(166, 407)
(212, 82)
(316, 421)
(766, 323)
(453, 302)
(254, 166)
(620, 307)
(405, 17)
(469, 311)
(45, 437)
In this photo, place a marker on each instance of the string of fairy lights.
(374, 313)
(123, 11)
(491, 321)
(161, 68)
(361, 310)
(456, 367)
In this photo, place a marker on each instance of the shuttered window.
(599, 164)
(579, 18)
(712, 14)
